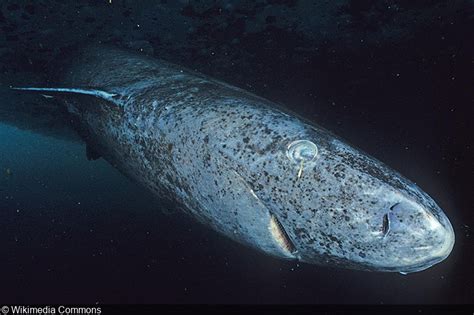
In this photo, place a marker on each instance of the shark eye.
(302, 151)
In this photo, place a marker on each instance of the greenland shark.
(249, 168)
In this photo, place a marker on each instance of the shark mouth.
(280, 236)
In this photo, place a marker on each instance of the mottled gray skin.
(222, 153)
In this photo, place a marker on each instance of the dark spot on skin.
(246, 140)
(334, 239)
(206, 139)
(170, 147)
(300, 232)
(361, 254)
(267, 131)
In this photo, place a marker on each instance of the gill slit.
(276, 228)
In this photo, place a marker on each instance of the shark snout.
(426, 235)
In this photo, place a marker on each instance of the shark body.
(249, 169)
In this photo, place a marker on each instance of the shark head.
(323, 201)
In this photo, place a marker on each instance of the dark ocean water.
(74, 230)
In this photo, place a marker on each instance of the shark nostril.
(385, 224)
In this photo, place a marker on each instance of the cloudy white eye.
(302, 151)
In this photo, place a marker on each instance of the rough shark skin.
(229, 157)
